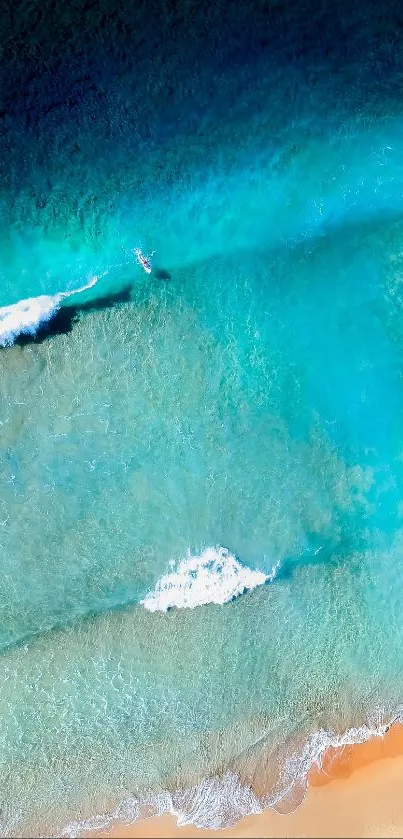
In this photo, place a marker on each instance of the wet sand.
(357, 793)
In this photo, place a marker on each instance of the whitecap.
(215, 576)
(25, 317)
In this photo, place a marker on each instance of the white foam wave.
(298, 765)
(215, 576)
(219, 802)
(204, 805)
(25, 317)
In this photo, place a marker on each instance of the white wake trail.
(25, 317)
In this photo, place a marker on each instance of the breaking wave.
(26, 316)
(215, 576)
(219, 802)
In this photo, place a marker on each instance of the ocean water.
(201, 512)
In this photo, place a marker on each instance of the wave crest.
(215, 576)
(25, 317)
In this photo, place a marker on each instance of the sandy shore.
(358, 794)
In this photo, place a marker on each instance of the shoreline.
(356, 792)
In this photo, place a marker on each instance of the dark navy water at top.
(202, 467)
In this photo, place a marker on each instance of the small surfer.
(144, 261)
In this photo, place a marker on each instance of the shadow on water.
(162, 274)
(64, 319)
(290, 565)
(327, 554)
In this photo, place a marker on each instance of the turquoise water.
(247, 394)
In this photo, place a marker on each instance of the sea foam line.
(25, 317)
(215, 576)
(219, 802)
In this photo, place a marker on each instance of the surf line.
(24, 317)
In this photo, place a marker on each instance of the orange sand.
(357, 794)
